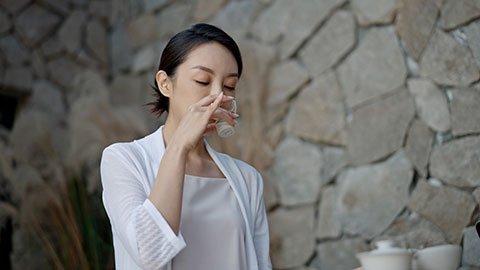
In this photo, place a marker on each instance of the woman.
(173, 202)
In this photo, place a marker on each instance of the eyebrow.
(211, 71)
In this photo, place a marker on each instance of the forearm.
(167, 189)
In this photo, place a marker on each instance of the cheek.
(187, 93)
(195, 92)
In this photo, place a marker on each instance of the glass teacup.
(224, 129)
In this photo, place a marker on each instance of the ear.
(164, 83)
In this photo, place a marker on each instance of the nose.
(216, 90)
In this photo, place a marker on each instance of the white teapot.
(437, 257)
(387, 256)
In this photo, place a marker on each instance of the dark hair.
(177, 50)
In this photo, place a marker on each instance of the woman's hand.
(196, 122)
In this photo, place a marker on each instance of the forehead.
(213, 55)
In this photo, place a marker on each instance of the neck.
(169, 129)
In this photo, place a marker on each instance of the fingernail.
(236, 122)
(229, 97)
(235, 114)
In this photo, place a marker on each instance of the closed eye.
(206, 83)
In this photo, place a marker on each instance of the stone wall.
(362, 115)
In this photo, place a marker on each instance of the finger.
(207, 100)
(225, 115)
(210, 129)
(227, 98)
(215, 104)
(227, 112)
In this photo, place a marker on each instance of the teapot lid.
(387, 247)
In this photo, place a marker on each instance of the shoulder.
(123, 151)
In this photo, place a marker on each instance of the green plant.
(93, 225)
(71, 227)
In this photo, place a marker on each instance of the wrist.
(177, 148)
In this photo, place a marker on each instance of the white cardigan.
(142, 237)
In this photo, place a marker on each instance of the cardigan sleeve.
(141, 228)
(261, 231)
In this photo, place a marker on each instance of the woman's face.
(209, 69)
